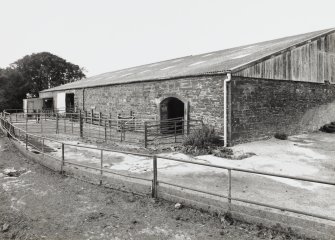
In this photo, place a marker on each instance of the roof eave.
(206, 74)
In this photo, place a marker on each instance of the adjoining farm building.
(246, 93)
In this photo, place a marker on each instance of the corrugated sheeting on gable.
(311, 62)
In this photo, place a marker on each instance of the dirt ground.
(40, 204)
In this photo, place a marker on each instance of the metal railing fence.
(37, 143)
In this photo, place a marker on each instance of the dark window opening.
(69, 102)
(48, 104)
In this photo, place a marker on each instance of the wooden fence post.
(57, 131)
(105, 130)
(63, 160)
(41, 119)
(42, 147)
(99, 122)
(26, 141)
(101, 165)
(145, 135)
(229, 189)
(110, 126)
(121, 130)
(81, 123)
(65, 123)
(26, 123)
(154, 180)
(71, 122)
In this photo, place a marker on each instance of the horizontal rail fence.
(37, 143)
(89, 124)
(169, 131)
(93, 125)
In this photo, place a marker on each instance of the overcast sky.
(107, 35)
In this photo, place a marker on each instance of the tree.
(32, 74)
(45, 70)
(13, 89)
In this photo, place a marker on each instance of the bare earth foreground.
(40, 204)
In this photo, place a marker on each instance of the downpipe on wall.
(225, 119)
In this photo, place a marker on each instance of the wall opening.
(172, 112)
(69, 102)
(48, 104)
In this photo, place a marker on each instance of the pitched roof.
(202, 64)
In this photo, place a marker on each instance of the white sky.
(107, 35)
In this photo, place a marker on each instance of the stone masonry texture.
(202, 95)
(263, 107)
(257, 108)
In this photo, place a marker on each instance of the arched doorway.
(172, 112)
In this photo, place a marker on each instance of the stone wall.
(263, 107)
(203, 96)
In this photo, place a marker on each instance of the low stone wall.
(263, 107)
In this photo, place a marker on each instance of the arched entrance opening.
(172, 112)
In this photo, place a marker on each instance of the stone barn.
(247, 93)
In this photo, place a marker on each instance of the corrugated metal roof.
(207, 63)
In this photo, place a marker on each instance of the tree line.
(33, 73)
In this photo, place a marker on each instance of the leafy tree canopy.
(45, 70)
(32, 74)
(13, 89)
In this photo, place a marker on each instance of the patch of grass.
(203, 138)
(202, 141)
(223, 152)
(206, 141)
(281, 136)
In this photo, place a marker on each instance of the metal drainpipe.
(225, 120)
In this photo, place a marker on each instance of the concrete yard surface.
(40, 204)
(309, 155)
